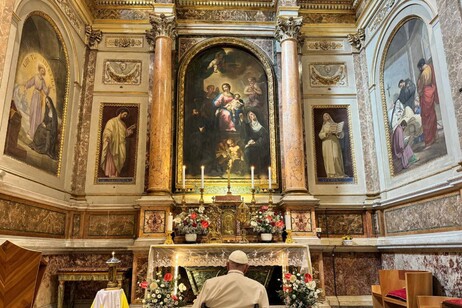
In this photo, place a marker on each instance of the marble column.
(293, 171)
(161, 139)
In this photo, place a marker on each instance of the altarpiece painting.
(226, 113)
(410, 98)
(38, 108)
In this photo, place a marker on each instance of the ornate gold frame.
(272, 129)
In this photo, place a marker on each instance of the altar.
(286, 255)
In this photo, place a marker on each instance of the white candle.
(288, 220)
(269, 177)
(184, 176)
(202, 176)
(252, 169)
(169, 222)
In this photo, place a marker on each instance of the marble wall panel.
(429, 215)
(76, 225)
(355, 272)
(112, 225)
(450, 18)
(6, 10)
(446, 268)
(26, 219)
(340, 223)
(48, 292)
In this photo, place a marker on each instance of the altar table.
(265, 254)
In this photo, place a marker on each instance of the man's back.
(233, 290)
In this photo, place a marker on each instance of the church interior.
(340, 121)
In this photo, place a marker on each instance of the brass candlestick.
(168, 238)
(270, 197)
(201, 200)
(253, 197)
(289, 239)
(183, 200)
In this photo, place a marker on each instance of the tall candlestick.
(288, 221)
(269, 177)
(252, 169)
(202, 176)
(169, 222)
(184, 177)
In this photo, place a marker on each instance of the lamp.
(112, 272)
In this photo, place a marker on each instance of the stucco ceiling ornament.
(288, 28)
(357, 39)
(93, 36)
(161, 26)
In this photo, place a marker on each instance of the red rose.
(308, 277)
(174, 297)
(168, 277)
(194, 225)
(205, 224)
(144, 284)
(279, 224)
(287, 276)
(269, 217)
(286, 289)
(193, 215)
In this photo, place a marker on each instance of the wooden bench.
(432, 301)
(416, 283)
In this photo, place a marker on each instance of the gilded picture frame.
(214, 125)
(409, 92)
(36, 126)
(332, 145)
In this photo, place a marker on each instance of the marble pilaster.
(161, 138)
(83, 132)
(293, 171)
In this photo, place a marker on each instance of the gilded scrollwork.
(325, 45)
(93, 36)
(357, 39)
(162, 25)
(288, 28)
(124, 42)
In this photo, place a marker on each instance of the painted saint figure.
(40, 87)
(403, 155)
(225, 121)
(254, 93)
(257, 144)
(330, 134)
(428, 94)
(46, 134)
(114, 151)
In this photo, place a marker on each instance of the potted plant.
(347, 240)
(191, 223)
(267, 222)
(299, 290)
(160, 292)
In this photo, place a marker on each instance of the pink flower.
(269, 217)
(279, 224)
(287, 276)
(143, 284)
(264, 207)
(193, 215)
(168, 277)
(308, 277)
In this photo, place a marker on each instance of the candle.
(202, 176)
(169, 222)
(269, 177)
(252, 169)
(184, 176)
(288, 221)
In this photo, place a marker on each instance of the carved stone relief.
(124, 42)
(325, 45)
(70, 14)
(225, 15)
(380, 16)
(328, 75)
(122, 72)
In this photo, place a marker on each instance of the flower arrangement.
(299, 290)
(192, 221)
(160, 292)
(347, 237)
(266, 220)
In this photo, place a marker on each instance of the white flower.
(311, 285)
(182, 287)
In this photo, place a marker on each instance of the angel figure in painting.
(330, 134)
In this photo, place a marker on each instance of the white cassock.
(233, 290)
